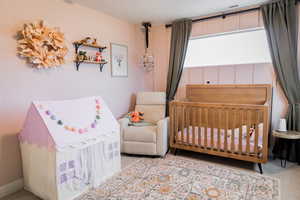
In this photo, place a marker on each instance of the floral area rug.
(176, 177)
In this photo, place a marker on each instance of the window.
(243, 47)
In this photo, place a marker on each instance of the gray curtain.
(281, 24)
(181, 31)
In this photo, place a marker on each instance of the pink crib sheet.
(222, 135)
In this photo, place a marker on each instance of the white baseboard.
(11, 188)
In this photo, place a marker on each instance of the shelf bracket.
(77, 63)
(101, 66)
(76, 48)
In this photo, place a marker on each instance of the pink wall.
(20, 84)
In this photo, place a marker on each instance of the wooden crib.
(224, 120)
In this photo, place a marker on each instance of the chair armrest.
(162, 140)
(123, 124)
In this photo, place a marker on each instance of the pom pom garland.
(93, 125)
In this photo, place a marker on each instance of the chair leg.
(260, 168)
(164, 156)
(167, 151)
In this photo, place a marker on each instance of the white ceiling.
(162, 11)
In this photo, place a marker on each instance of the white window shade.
(244, 47)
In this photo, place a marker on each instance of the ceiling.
(162, 11)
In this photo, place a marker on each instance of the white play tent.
(69, 147)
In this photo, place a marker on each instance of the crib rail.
(228, 130)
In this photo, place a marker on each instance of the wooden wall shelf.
(79, 62)
(77, 45)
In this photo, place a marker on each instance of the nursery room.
(137, 99)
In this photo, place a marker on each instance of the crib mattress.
(200, 134)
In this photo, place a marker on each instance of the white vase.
(282, 124)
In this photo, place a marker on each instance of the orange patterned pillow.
(136, 117)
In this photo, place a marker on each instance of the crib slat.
(212, 133)
(199, 126)
(182, 124)
(248, 132)
(226, 131)
(219, 128)
(233, 131)
(176, 121)
(193, 125)
(206, 125)
(256, 132)
(241, 123)
(187, 125)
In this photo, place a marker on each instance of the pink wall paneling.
(249, 20)
(197, 29)
(260, 19)
(211, 74)
(227, 75)
(231, 74)
(196, 75)
(263, 74)
(231, 23)
(244, 74)
(212, 26)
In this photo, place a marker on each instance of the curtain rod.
(223, 15)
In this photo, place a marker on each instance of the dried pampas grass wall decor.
(41, 46)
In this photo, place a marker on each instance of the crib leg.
(174, 151)
(260, 168)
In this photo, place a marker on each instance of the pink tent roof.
(68, 123)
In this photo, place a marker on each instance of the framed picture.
(119, 60)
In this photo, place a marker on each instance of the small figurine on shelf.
(94, 42)
(82, 56)
(86, 40)
(98, 57)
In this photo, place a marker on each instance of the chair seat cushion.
(140, 134)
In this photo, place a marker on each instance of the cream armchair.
(147, 140)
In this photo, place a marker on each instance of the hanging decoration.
(41, 46)
(147, 58)
(71, 128)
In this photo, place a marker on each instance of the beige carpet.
(289, 176)
(176, 177)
